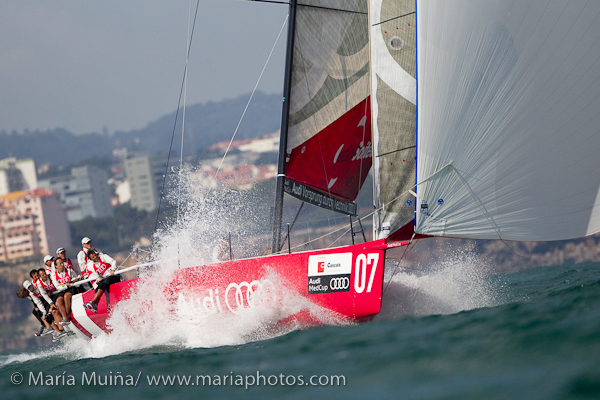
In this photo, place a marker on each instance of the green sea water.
(534, 334)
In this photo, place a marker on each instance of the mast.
(285, 112)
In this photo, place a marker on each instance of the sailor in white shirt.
(46, 284)
(49, 261)
(102, 268)
(222, 251)
(39, 309)
(82, 257)
(62, 253)
(63, 278)
(31, 292)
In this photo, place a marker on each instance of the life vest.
(85, 254)
(102, 268)
(48, 287)
(64, 280)
(35, 292)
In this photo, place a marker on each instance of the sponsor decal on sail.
(318, 199)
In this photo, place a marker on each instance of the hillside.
(206, 124)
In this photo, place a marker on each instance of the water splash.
(459, 282)
(154, 316)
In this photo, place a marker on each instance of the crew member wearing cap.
(49, 261)
(63, 279)
(62, 253)
(103, 269)
(82, 257)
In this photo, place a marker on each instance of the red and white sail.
(329, 136)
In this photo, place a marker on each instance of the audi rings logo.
(339, 283)
(244, 294)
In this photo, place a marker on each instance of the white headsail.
(508, 119)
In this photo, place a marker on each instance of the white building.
(84, 193)
(17, 175)
(145, 180)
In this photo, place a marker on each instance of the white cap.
(48, 258)
(60, 250)
(85, 240)
(26, 284)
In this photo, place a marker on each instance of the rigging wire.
(291, 226)
(250, 99)
(162, 190)
(187, 58)
(180, 183)
(406, 250)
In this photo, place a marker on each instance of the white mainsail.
(508, 119)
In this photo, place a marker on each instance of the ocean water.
(449, 331)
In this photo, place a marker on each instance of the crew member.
(56, 297)
(82, 257)
(63, 279)
(39, 309)
(49, 261)
(62, 253)
(222, 251)
(47, 319)
(102, 268)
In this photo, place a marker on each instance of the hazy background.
(117, 65)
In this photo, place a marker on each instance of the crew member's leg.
(102, 287)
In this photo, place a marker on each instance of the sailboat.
(479, 119)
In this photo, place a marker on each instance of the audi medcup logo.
(329, 284)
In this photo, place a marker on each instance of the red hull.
(346, 281)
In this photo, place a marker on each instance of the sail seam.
(372, 212)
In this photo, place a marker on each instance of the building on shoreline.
(17, 175)
(84, 193)
(32, 222)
